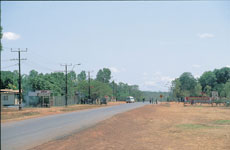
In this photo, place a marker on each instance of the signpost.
(43, 92)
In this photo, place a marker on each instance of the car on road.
(104, 101)
(130, 99)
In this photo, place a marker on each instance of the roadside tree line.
(77, 83)
(216, 80)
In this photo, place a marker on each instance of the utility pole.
(66, 83)
(19, 74)
(89, 97)
(113, 89)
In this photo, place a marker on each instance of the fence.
(42, 101)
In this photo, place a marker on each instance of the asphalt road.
(22, 135)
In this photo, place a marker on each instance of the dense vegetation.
(216, 80)
(77, 84)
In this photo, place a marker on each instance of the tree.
(176, 88)
(72, 83)
(226, 89)
(208, 90)
(208, 78)
(188, 82)
(198, 90)
(99, 89)
(1, 38)
(9, 80)
(81, 76)
(104, 75)
(82, 88)
(219, 88)
(222, 75)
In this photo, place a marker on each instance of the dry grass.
(13, 114)
(154, 127)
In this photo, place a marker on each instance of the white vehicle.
(130, 99)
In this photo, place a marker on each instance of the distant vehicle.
(130, 99)
(104, 101)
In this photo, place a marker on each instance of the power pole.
(89, 97)
(113, 89)
(66, 83)
(19, 74)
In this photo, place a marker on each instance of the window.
(5, 97)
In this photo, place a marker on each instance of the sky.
(144, 43)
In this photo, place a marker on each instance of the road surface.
(22, 135)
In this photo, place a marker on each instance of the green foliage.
(185, 85)
(1, 38)
(227, 89)
(198, 90)
(123, 90)
(194, 126)
(81, 76)
(82, 88)
(99, 89)
(176, 88)
(222, 75)
(208, 79)
(9, 80)
(104, 75)
(188, 82)
(217, 80)
(222, 122)
(207, 90)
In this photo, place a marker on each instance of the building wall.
(9, 99)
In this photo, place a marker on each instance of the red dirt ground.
(167, 126)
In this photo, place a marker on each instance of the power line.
(36, 55)
(5, 60)
(9, 66)
(40, 66)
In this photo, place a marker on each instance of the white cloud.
(10, 36)
(196, 66)
(205, 35)
(228, 66)
(114, 69)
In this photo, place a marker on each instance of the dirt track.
(154, 127)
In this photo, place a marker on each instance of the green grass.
(30, 113)
(69, 109)
(222, 122)
(193, 126)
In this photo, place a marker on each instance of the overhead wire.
(38, 66)
(35, 54)
(9, 66)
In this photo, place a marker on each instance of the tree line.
(217, 80)
(77, 84)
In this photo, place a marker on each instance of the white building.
(9, 97)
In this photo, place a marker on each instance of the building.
(9, 97)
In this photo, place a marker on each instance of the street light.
(75, 65)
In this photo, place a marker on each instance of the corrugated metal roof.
(9, 91)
